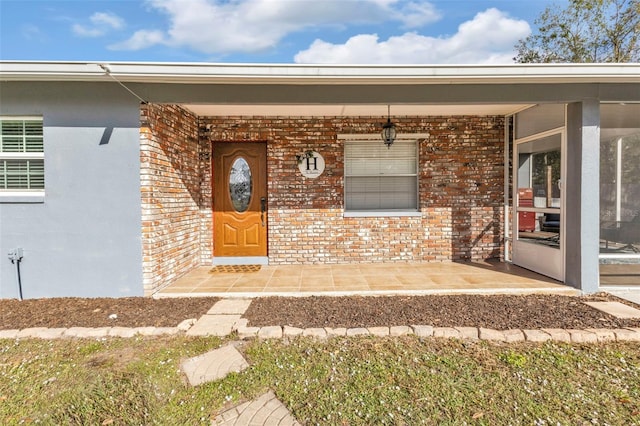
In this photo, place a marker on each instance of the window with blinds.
(21, 154)
(378, 178)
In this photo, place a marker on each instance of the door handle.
(263, 209)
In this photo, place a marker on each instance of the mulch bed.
(500, 312)
(68, 312)
(497, 311)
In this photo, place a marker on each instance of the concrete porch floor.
(366, 279)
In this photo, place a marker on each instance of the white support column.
(583, 195)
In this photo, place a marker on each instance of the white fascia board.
(209, 73)
(51, 71)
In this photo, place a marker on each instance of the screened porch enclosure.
(620, 194)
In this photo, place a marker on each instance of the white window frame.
(22, 195)
(372, 139)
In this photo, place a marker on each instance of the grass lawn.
(341, 381)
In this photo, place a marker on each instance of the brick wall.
(171, 181)
(461, 190)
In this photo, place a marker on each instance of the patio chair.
(550, 222)
(625, 233)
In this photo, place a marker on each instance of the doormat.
(235, 269)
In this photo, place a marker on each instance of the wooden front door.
(240, 199)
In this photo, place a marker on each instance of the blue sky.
(267, 31)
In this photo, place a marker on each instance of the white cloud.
(415, 15)
(141, 40)
(221, 26)
(107, 19)
(84, 31)
(101, 23)
(32, 32)
(486, 39)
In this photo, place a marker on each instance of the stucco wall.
(461, 168)
(84, 239)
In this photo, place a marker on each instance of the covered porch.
(471, 141)
(491, 277)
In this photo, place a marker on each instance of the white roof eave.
(210, 73)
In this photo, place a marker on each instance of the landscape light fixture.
(388, 130)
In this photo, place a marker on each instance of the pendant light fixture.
(388, 130)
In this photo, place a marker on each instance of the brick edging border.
(97, 332)
(589, 335)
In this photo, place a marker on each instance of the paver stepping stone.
(213, 325)
(230, 307)
(630, 295)
(617, 309)
(264, 410)
(213, 365)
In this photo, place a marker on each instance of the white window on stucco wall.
(380, 179)
(21, 155)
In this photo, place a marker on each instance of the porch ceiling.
(337, 110)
